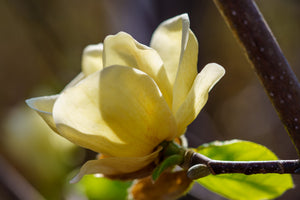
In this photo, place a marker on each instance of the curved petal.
(115, 165)
(75, 80)
(91, 62)
(170, 40)
(187, 72)
(43, 106)
(198, 95)
(122, 49)
(92, 59)
(118, 111)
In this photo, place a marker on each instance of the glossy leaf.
(96, 188)
(240, 186)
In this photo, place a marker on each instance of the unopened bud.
(198, 171)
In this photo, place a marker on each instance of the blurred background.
(40, 52)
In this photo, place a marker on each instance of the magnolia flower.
(130, 97)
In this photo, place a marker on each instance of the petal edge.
(111, 166)
(43, 106)
(198, 95)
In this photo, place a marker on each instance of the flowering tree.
(132, 104)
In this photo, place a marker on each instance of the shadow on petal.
(198, 95)
(132, 105)
(44, 106)
(116, 166)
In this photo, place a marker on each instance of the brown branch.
(265, 55)
(201, 166)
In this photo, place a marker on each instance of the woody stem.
(250, 29)
(216, 167)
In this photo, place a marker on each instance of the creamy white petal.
(170, 40)
(43, 106)
(92, 59)
(187, 72)
(198, 95)
(118, 111)
(122, 49)
(115, 165)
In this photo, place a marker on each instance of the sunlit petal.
(170, 40)
(43, 106)
(198, 95)
(122, 49)
(118, 111)
(115, 165)
(187, 72)
(92, 59)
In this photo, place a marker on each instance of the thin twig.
(265, 55)
(216, 167)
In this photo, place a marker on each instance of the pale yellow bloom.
(130, 97)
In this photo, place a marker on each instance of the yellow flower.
(130, 97)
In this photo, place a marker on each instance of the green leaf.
(98, 188)
(240, 186)
(168, 162)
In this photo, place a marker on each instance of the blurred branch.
(201, 166)
(265, 55)
(15, 183)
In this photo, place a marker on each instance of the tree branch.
(265, 55)
(201, 166)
